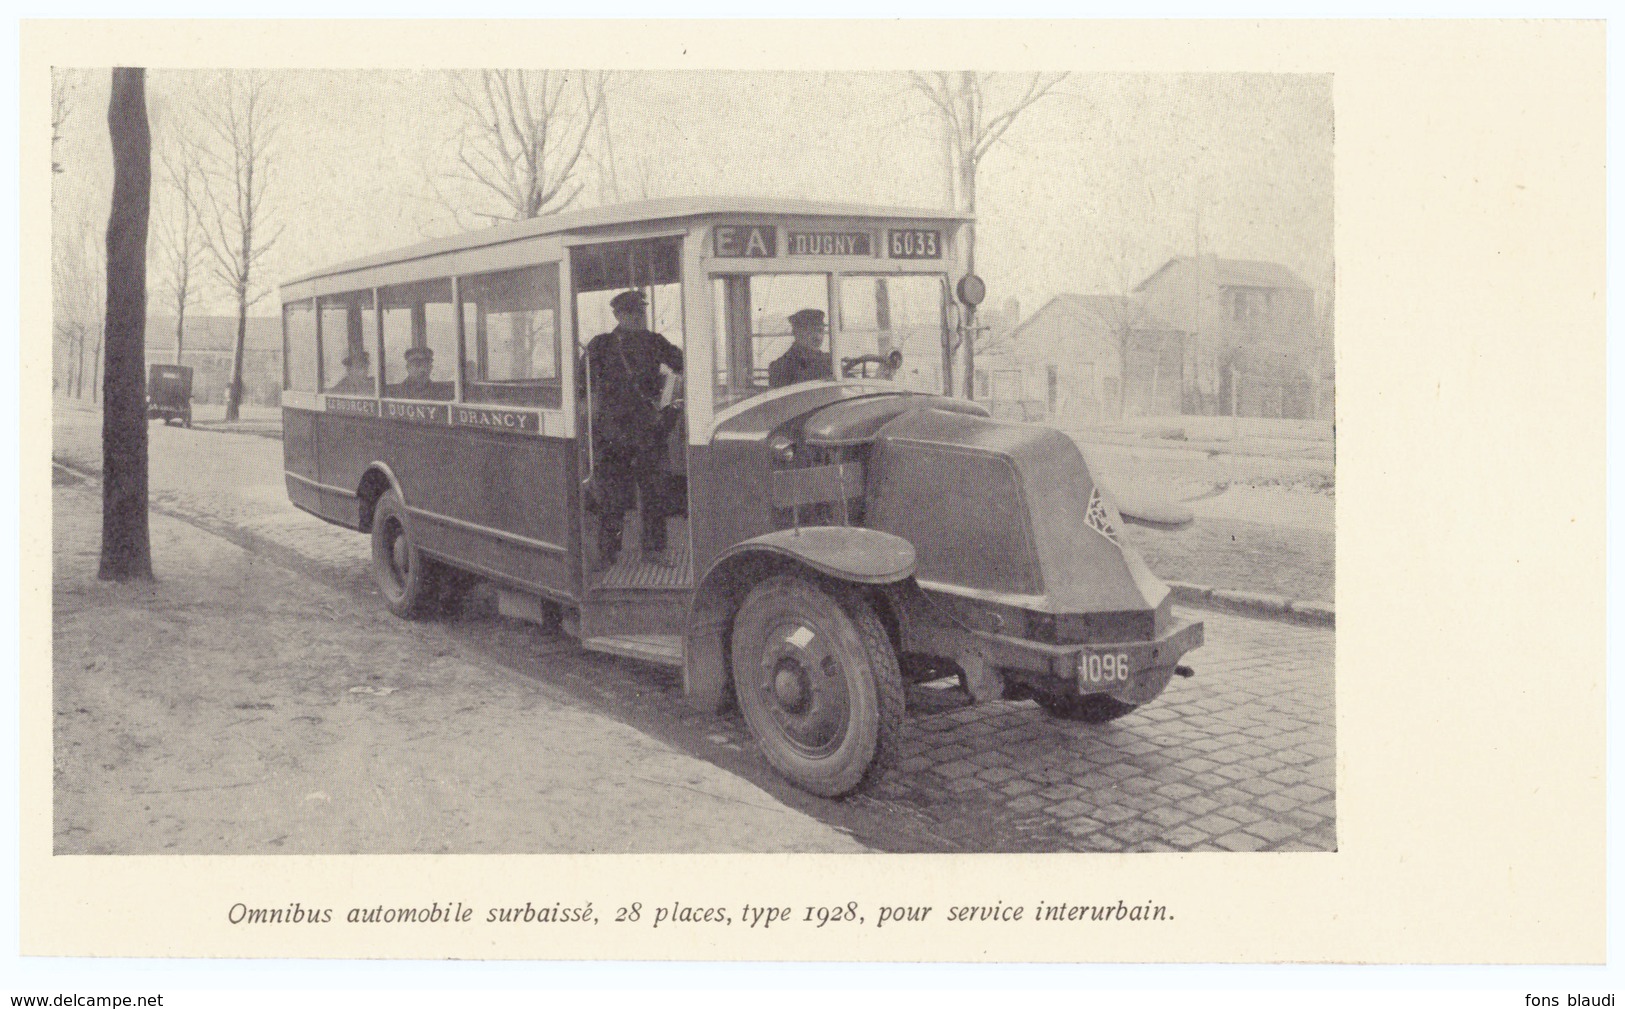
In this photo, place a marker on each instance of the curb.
(221, 427)
(1255, 604)
(1258, 604)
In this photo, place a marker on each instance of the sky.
(1092, 189)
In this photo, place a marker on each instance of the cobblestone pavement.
(1240, 758)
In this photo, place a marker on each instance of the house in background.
(1087, 359)
(208, 342)
(1254, 347)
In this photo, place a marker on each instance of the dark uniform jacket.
(798, 365)
(625, 366)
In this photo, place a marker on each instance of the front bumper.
(1131, 671)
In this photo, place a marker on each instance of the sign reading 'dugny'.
(830, 243)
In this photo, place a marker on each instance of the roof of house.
(1238, 273)
(1087, 309)
(667, 209)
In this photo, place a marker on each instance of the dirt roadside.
(207, 713)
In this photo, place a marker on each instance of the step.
(660, 649)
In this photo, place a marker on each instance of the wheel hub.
(790, 686)
(802, 689)
(399, 555)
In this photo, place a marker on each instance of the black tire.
(817, 681)
(1094, 709)
(407, 579)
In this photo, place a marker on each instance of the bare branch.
(62, 89)
(995, 128)
(521, 141)
(235, 172)
(937, 94)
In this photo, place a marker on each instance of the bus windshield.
(754, 349)
(881, 314)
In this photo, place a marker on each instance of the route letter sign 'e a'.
(745, 241)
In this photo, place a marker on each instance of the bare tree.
(974, 120)
(179, 232)
(126, 548)
(522, 137)
(77, 289)
(1123, 316)
(239, 125)
(63, 86)
(634, 171)
(1121, 259)
(609, 166)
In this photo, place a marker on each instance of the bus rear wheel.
(818, 684)
(407, 579)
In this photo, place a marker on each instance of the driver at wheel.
(806, 360)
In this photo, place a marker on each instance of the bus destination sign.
(913, 243)
(745, 241)
(831, 243)
(495, 419)
(418, 413)
(353, 407)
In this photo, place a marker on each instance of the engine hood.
(1004, 509)
(857, 421)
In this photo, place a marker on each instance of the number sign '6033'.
(913, 243)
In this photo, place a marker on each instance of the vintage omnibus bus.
(830, 538)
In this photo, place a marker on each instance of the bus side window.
(349, 331)
(299, 346)
(511, 337)
(419, 318)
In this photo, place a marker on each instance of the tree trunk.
(126, 548)
(968, 185)
(180, 322)
(951, 174)
(234, 391)
(1122, 369)
(1155, 409)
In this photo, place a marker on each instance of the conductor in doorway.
(623, 372)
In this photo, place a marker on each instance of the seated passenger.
(419, 362)
(805, 361)
(357, 374)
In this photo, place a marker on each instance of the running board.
(660, 649)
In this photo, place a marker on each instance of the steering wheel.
(886, 365)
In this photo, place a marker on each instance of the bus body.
(831, 538)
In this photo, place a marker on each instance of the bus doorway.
(630, 405)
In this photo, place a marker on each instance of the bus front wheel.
(818, 684)
(405, 577)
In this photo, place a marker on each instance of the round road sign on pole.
(971, 290)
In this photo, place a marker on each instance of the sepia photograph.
(812, 492)
(545, 460)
